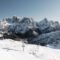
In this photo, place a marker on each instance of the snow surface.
(16, 50)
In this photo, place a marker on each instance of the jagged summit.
(44, 24)
(27, 20)
(14, 19)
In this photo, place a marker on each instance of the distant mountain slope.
(47, 38)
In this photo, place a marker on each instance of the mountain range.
(44, 32)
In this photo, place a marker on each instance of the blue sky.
(38, 9)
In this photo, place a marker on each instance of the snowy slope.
(13, 50)
(52, 38)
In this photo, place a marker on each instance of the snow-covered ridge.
(22, 25)
(17, 25)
